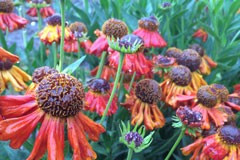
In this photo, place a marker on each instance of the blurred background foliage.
(177, 24)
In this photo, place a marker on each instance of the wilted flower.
(143, 104)
(200, 33)
(148, 31)
(11, 73)
(8, 19)
(97, 97)
(173, 52)
(58, 99)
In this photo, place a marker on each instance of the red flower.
(234, 101)
(45, 12)
(148, 31)
(135, 62)
(9, 20)
(142, 103)
(57, 100)
(72, 46)
(99, 46)
(107, 72)
(97, 97)
(200, 33)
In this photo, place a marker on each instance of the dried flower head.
(180, 75)
(149, 23)
(174, 52)
(99, 85)
(206, 96)
(198, 49)
(230, 134)
(221, 91)
(40, 73)
(78, 29)
(6, 6)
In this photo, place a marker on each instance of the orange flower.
(52, 32)
(176, 83)
(11, 73)
(225, 144)
(148, 30)
(58, 99)
(111, 28)
(97, 97)
(191, 59)
(9, 20)
(200, 33)
(134, 62)
(45, 12)
(209, 102)
(143, 104)
(207, 63)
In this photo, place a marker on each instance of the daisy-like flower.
(8, 19)
(200, 33)
(133, 62)
(207, 63)
(52, 32)
(148, 30)
(223, 145)
(111, 28)
(178, 82)
(173, 52)
(98, 96)
(209, 102)
(11, 73)
(191, 59)
(38, 75)
(45, 11)
(163, 64)
(143, 104)
(79, 31)
(58, 99)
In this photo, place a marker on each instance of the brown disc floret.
(180, 75)
(130, 40)
(54, 20)
(148, 91)
(78, 28)
(6, 6)
(60, 95)
(229, 134)
(149, 23)
(173, 52)
(235, 100)
(99, 85)
(190, 58)
(40, 73)
(206, 96)
(221, 91)
(114, 28)
(198, 49)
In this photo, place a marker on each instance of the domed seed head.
(222, 92)
(207, 96)
(229, 134)
(78, 28)
(40, 73)
(99, 85)
(6, 6)
(149, 23)
(174, 52)
(129, 40)
(54, 20)
(180, 75)
(198, 49)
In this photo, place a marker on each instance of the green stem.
(62, 34)
(3, 40)
(39, 29)
(176, 143)
(131, 83)
(102, 62)
(130, 153)
(55, 47)
(114, 86)
(79, 49)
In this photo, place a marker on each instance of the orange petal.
(5, 55)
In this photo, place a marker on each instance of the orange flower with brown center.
(8, 19)
(58, 99)
(200, 33)
(225, 144)
(143, 104)
(11, 73)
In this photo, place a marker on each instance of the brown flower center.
(78, 28)
(48, 1)
(149, 23)
(99, 85)
(180, 75)
(206, 96)
(230, 134)
(6, 6)
(114, 28)
(148, 91)
(54, 20)
(191, 59)
(60, 95)
(130, 40)
(173, 52)
(40, 73)
(5, 65)
(198, 49)
(235, 100)
(221, 91)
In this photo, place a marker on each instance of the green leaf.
(72, 67)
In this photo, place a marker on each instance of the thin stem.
(55, 47)
(79, 49)
(131, 83)
(101, 64)
(62, 34)
(39, 29)
(3, 40)
(114, 86)
(130, 153)
(176, 143)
